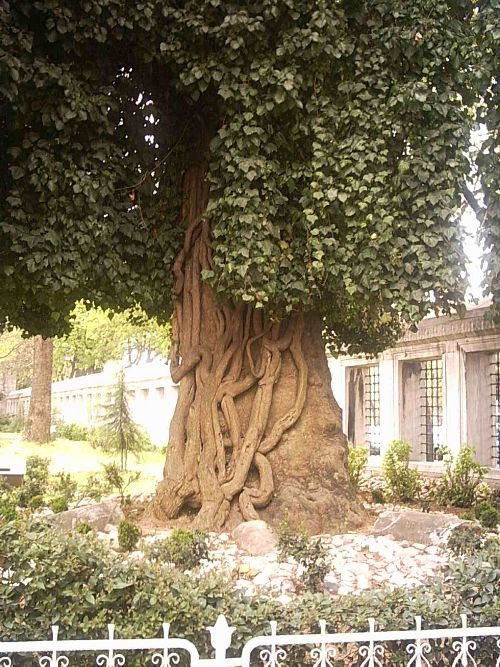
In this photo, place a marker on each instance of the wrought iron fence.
(465, 647)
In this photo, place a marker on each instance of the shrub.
(487, 514)
(8, 506)
(310, 554)
(461, 479)
(357, 461)
(59, 504)
(96, 486)
(36, 479)
(63, 485)
(402, 482)
(71, 431)
(140, 596)
(36, 502)
(183, 548)
(120, 481)
(13, 424)
(467, 538)
(128, 535)
(83, 528)
(378, 496)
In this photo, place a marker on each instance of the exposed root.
(222, 355)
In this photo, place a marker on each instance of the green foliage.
(8, 505)
(63, 485)
(139, 596)
(71, 431)
(310, 554)
(97, 335)
(467, 538)
(119, 431)
(84, 528)
(16, 356)
(357, 462)
(36, 479)
(59, 504)
(378, 496)
(183, 548)
(119, 480)
(487, 514)
(461, 479)
(14, 424)
(96, 486)
(128, 535)
(338, 155)
(402, 482)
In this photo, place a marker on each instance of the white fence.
(366, 649)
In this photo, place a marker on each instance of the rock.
(99, 516)
(411, 526)
(331, 584)
(255, 537)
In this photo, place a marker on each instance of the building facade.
(437, 386)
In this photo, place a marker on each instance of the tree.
(39, 411)
(268, 172)
(119, 429)
(97, 335)
(16, 357)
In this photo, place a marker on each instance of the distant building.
(438, 386)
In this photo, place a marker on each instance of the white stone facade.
(437, 386)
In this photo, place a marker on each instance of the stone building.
(437, 386)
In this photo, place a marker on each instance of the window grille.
(372, 409)
(431, 393)
(495, 407)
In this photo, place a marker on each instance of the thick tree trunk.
(39, 413)
(256, 430)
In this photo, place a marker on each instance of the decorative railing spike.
(418, 649)
(322, 649)
(112, 659)
(166, 658)
(464, 648)
(54, 660)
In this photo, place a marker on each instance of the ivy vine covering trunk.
(256, 427)
(39, 413)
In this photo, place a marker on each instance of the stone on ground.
(99, 516)
(416, 527)
(255, 537)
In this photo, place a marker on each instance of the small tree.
(123, 434)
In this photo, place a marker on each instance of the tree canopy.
(338, 158)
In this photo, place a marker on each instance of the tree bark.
(39, 413)
(256, 431)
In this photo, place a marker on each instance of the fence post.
(220, 638)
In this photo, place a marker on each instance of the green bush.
(466, 538)
(459, 484)
(487, 514)
(76, 582)
(71, 431)
(183, 548)
(95, 487)
(378, 496)
(8, 506)
(84, 528)
(59, 504)
(357, 462)
(13, 424)
(36, 479)
(63, 485)
(120, 480)
(309, 553)
(402, 482)
(128, 535)
(36, 502)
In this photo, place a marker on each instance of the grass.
(80, 459)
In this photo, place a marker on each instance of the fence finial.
(220, 636)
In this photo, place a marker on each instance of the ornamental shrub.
(357, 461)
(71, 431)
(309, 553)
(487, 514)
(36, 479)
(402, 482)
(460, 482)
(183, 548)
(59, 504)
(77, 582)
(128, 535)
